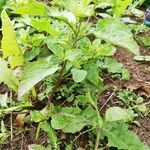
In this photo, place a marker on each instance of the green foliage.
(114, 67)
(34, 73)
(119, 6)
(116, 32)
(51, 134)
(119, 136)
(117, 113)
(16, 58)
(78, 75)
(145, 40)
(33, 8)
(132, 101)
(92, 73)
(69, 120)
(65, 48)
(43, 25)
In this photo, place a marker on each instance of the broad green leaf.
(117, 113)
(85, 99)
(7, 76)
(81, 8)
(66, 16)
(32, 54)
(106, 49)
(34, 73)
(10, 47)
(92, 73)
(116, 32)
(69, 120)
(56, 46)
(51, 133)
(120, 6)
(43, 24)
(92, 118)
(37, 116)
(78, 75)
(145, 39)
(34, 8)
(114, 67)
(44, 114)
(119, 136)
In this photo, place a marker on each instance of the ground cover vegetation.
(68, 74)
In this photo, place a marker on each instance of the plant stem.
(58, 81)
(97, 139)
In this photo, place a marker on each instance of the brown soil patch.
(140, 83)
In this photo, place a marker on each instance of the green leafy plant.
(57, 44)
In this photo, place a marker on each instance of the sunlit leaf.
(78, 75)
(51, 133)
(117, 113)
(92, 73)
(43, 25)
(10, 47)
(34, 8)
(116, 32)
(34, 73)
(119, 136)
(69, 120)
(120, 6)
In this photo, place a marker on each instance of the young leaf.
(7, 76)
(13, 51)
(117, 113)
(81, 8)
(92, 73)
(116, 32)
(78, 75)
(43, 25)
(120, 6)
(34, 8)
(69, 120)
(119, 136)
(66, 16)
(51, 133)
(34, 73)
(36, 116)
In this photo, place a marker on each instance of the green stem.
(15, 108)
(97, 139)
(58, 81)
